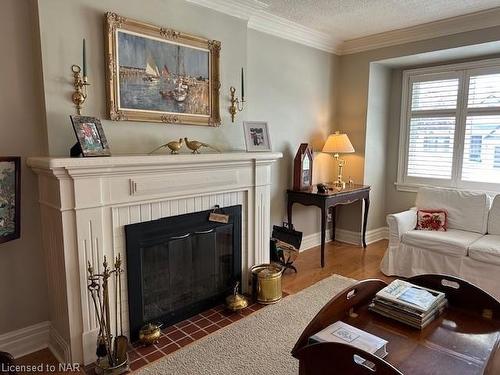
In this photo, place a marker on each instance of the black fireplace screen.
(180, 266)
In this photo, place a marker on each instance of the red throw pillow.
(432, 220)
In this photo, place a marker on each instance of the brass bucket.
(266, 283)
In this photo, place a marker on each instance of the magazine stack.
(410, 304)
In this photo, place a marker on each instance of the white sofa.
(469, 249)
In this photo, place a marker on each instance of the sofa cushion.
(453, 241)
(494, 218)
(467, 210)
(486, 249)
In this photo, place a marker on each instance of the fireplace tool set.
(111, 352)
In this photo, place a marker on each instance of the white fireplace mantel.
(86, 202)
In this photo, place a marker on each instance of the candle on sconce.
(242, 86)
(84, 60)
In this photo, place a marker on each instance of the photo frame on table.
(91, 140)
(10, 198)
(157, 74)
(256, 136)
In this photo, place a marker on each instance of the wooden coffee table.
(465, 339)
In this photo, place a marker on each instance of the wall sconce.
(80, 83)
(236, 104)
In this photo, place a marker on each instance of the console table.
(328, 201)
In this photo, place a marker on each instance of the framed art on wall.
(10, 198)
(90, 136)
(256, 136)
(158, 74)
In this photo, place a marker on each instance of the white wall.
(22, 272)
(377, 134)
(292, 87)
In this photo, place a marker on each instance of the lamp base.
(339, 184)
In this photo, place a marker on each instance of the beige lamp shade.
(338, 144)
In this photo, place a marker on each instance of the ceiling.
(350, 19)
(351, 26)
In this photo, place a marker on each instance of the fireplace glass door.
(180, 266)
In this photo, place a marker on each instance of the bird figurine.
(174, 146)
(196, 145)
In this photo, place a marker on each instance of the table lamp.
(336, 144)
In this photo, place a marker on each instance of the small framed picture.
(10, 198)
(90, 136)
(256, 136)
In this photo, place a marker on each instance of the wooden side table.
(328, 201)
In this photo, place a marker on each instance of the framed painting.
(90, 136)
(157, 74)
(10, 198)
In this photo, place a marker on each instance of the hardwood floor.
(340, 258)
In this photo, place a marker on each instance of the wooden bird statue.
(196, 145)
(174, 146)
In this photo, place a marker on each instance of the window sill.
(409, 188)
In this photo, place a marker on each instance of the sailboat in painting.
(180, 92)
(152, 72)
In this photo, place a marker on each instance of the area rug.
(258, 344)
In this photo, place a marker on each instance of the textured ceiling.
(349, 19)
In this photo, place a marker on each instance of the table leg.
(365, 218)
(324, 220)
(289, 212)
(333, 211)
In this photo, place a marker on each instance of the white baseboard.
(347, 236)
(26, 340)
(59, 347)
(313, 240)
(34, 338)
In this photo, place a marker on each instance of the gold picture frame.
(138, 90)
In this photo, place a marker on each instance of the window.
(450, 127)
(496, 162)
(476, 141)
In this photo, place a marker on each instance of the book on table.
(408, 303)
(346, 334)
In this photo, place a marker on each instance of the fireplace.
(87, 202)
(181, 265)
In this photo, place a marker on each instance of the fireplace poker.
(93, 288)
(105, 277)
(121, 341)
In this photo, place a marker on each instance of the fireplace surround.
(87, 202)
(180, 266)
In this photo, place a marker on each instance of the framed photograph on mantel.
(157, 74)
(90, 136)
(10, 198)
(256, 136)
(302, 168)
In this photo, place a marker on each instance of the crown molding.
(283, 28)
(449, 26)
(243, 9)
(253, 11)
